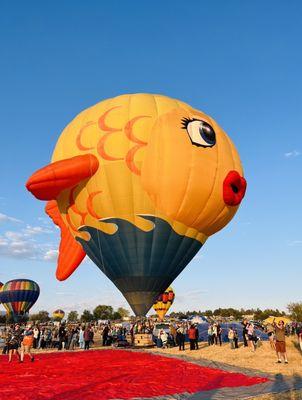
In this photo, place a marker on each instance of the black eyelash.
(185, 121)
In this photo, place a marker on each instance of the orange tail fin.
(71, 253)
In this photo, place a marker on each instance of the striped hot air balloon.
(18, 296)
(164, 302)
(58, 314)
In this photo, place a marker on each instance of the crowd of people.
(20, 340)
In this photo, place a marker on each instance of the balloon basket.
(143, 340)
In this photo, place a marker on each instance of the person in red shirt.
(192, 337)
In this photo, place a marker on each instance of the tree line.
(294, 312)
(101, 311)
(106, 312)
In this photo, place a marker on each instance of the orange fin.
(71, 252)
(48, 182)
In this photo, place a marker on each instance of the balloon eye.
(200, 132)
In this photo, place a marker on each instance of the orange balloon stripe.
(79, 136)
(130, 159)
(129, 126)
(101, 149)
(102, 121)
(90, 204)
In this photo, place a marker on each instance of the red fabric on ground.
(109, 374)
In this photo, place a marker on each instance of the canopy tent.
(272, 319)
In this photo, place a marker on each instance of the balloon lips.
(138, 183)
(234, 187)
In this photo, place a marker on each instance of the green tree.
(41, 316)
(87, 316)
(73, 316)
(295, 310)
(103, 312)
(123, 312)
(116, 315)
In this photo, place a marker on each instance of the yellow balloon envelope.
(138, 183)
(164, 302)
(58, 314)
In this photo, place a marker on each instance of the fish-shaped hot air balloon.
(164, 302)
(138, 183)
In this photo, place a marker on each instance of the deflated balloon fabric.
(110, 374)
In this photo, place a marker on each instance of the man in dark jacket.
(62, 337)
(105, 335)
(244, 323)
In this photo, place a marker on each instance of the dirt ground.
(293, 395)
(263, 359)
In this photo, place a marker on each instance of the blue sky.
(238, 61)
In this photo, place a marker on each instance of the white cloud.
(6, 218)
(51, 255)
(23, 244)
(292, 154)
(36, 230)
(14, 246)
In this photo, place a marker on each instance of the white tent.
(198, 320)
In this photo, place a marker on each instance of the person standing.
(250, 335)
(270, 333)
(105, 335)
(36, 333)
(62, 337)
(244, 324)
(81, 338)
(231, 335)
(192, 335)
(13, 342)
(88, 337)
(235, 338)
(180, 335)
(280, 341)
(173, 333)
(196, 337)
(210, 334)
(214, 334)
(27, 343)
(219, 334)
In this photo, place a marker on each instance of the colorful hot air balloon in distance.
(138, 183)
(18, 296)
(164, 302)
(58, 314)
(1, 285)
